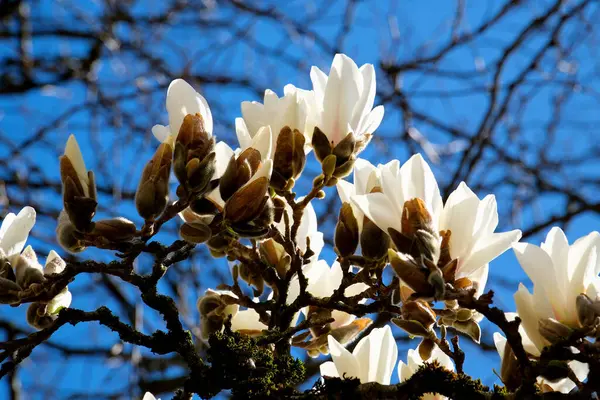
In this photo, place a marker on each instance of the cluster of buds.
(29, 276)
(337, 161)
(423, 277)
(194, 157)
(461, 319)
(289, 159)
(244, 186)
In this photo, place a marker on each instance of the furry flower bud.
(28, 270)
(67, 235)
(79, 187)
(289, 158)
(346, 231)
(152, 193)
(115, 229)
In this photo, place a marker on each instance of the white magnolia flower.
(343, 101)
(414, 362)
(559, 273)
(14, 232)
(276, 112)
(471, 221)
(367, 178)
(322, 282)
(182, 99)
(563, 385)
(307, 231)
(372, 360)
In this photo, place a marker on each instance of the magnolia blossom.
(563, 385)
(182, 99)
(342, 101)
(73, 153)
(414, 362)
(276, 112)
(322, 282)
(307, 230)
(367, 178)
(14, 232)
(372, 360)
(471, 221)
(262, 142)
(559, 273)
(149, 396)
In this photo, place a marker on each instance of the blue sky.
(423, 28)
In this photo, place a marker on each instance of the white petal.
(371, 121)
(345, 363)
(247, 320)
(500, 343)
(161, 132)
(379, 209)
(418, 181)
(459, 217)
(387, 357)
(363, 172)
(529, 320)
(444, 360)
(328, 369)
(149, 396)
(182, 99)
(73, 152)
(487, 250)
(319, 81)
(60, 301)
(404, 372)
(243, 135)
(345, 191)
(14, 232)
(262, 142)
(367, 97)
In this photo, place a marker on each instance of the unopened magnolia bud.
(374, 242)
(436, 280)
(346, 231)
(27, 270)
(218, 243)
(153, 190)
(203, 206)
(200, 173)
(67, 236)
(418, 237)
(9, 291)
(275, 255)
(586, 314)
(195, 232)
(79, 187)
(6, 270)
(115, 229)
(410, 273)
(413, 328)
(345, 148)
(253, 278)
(37, 317)
(552, 330)
(420, 311)
(470, 328)
(328, 165)
(194, 160)
(426, 348)
(248, 202)
(320, 144)
(289, 158)
(239, 171)
(344, 169)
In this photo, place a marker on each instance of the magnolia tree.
(400, 250)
